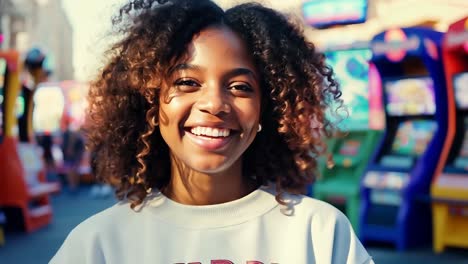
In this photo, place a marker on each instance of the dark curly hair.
(297, 87)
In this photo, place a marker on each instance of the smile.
(210, 131)
(209, 138)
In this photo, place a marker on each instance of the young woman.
(209, 124)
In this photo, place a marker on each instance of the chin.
(209, 166)
(209, 169)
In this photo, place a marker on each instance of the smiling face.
(210, 107)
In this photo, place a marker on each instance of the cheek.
(249, 115)
(171, 113)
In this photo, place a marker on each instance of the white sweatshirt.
(252, 230)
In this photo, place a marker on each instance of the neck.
(197, 188)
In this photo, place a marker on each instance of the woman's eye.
(187, 85)
(241, 87)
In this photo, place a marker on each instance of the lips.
(210, 131)
(209, 138)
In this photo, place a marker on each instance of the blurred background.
(399, 170)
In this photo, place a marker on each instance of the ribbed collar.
(231, 213)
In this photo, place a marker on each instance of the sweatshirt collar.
(235, 212)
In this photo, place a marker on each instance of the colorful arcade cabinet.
(3, 68)
(450, 185)
(47, 119)
(395, 189)
(24, 192)
(68, 109)
(339, 184)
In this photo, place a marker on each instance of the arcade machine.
(49, 111)
(395, 188)
(449, 188)
(339, 184)
(68, 109)
(24, 192)
(3, 68)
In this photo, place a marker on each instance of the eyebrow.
(186, 66)
(241, 71)
(230, 74)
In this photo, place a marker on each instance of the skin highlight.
(217, 88)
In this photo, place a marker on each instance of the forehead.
(219, 46)
(218, 34)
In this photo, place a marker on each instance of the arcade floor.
(40, 246)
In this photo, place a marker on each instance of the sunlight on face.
(211, 113)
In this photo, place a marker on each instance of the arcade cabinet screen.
(464, 146)
(3, 72)
(410, 96)
(48, 111)
(351, 68)
(461, 162)
(326, 13)
(413, 136)
(460, 86)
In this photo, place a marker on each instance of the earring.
(154, 121)
(259, 128)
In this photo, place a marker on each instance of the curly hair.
(297, 86)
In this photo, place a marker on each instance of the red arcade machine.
(449, 188)
(24, 192)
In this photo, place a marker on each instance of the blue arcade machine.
(395, 188)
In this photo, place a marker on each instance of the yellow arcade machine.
(24, 192)
(449, 189)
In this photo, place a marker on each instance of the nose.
(213, 101)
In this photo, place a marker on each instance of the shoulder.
(311, 207)
(329, 230)
(107, 220)
(85, 243)
(321, 210)
(321, 216)
(305, 207)
(325, 218)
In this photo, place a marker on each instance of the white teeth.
(211, 131)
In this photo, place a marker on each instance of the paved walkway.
(40, 246)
